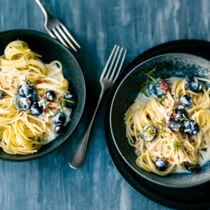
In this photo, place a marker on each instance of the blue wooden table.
(48, 182)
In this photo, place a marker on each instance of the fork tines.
(63, 35)
(114, 64)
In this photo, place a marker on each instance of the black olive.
(59, 128)
(193, 84)
(149, 132)
(1, 94)
(174, 125)
(192, 167)
(159, 88)
(181, 114)
(207, 85)
(27, 91)
(161, 164)
(21, 103)
(59, 118)
(186, 100)
(69, 101)
(36, 109)
(50, 95)
(190, 127)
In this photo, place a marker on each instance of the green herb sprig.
(177, 145)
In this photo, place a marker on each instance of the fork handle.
(78, 158)
(44, 10)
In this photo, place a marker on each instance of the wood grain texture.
(48, 182)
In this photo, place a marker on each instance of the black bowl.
(174, 64)
(50, 49)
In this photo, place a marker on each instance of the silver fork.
(56, 29)
(109, 75)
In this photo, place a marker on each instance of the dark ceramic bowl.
(50, 49)
(176, 64)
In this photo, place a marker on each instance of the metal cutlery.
(109, 75)
(56, 29)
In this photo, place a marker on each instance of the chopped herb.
(177, 145)
(184, 117)
(19, 48)
(31, 82)
(163, 99)
(27, 65)
(150, 79)
(201, 156)
(67, 100)
(17, 104)
(204, 149)
(63, 100)
(161, 124)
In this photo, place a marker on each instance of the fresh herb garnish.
(19, 48)
(161, 124)
(31, 82)
(177, 145)
(204, 149)
(63, 100)
(201, 156)
(26, 60)
(17, 104)
(163, 99)
(150, 79)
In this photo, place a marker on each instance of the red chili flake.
(184, 137)
(165, 159)
(50, 104)
(2, 86)
(44, 110)
(40, 81)
(29, 102)
(163, 86)
(173, 116)
(53, 107)
(134, 147)
(171, 159)
(195, 172)
(164, 122)
(171, 133)
(44, 96)
(6, 89)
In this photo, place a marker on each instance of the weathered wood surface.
(49, 183)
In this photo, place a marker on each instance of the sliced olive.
(186, 100)
(181, 114)
(21, 104)
(36, 109)
(50, 95)
(161, 164)
(193, 84)
(149, 132)
(192, 167)
(69, 101)
(59, 128)
(59, 118)
(1, 94)
(174, 125)
(27, 91)
(190, 127)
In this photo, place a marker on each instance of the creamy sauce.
(204, 154)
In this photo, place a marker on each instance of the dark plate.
(173, 65)
(50, 49)
(193, 197)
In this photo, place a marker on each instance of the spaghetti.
(26, 118)
(179, 131)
